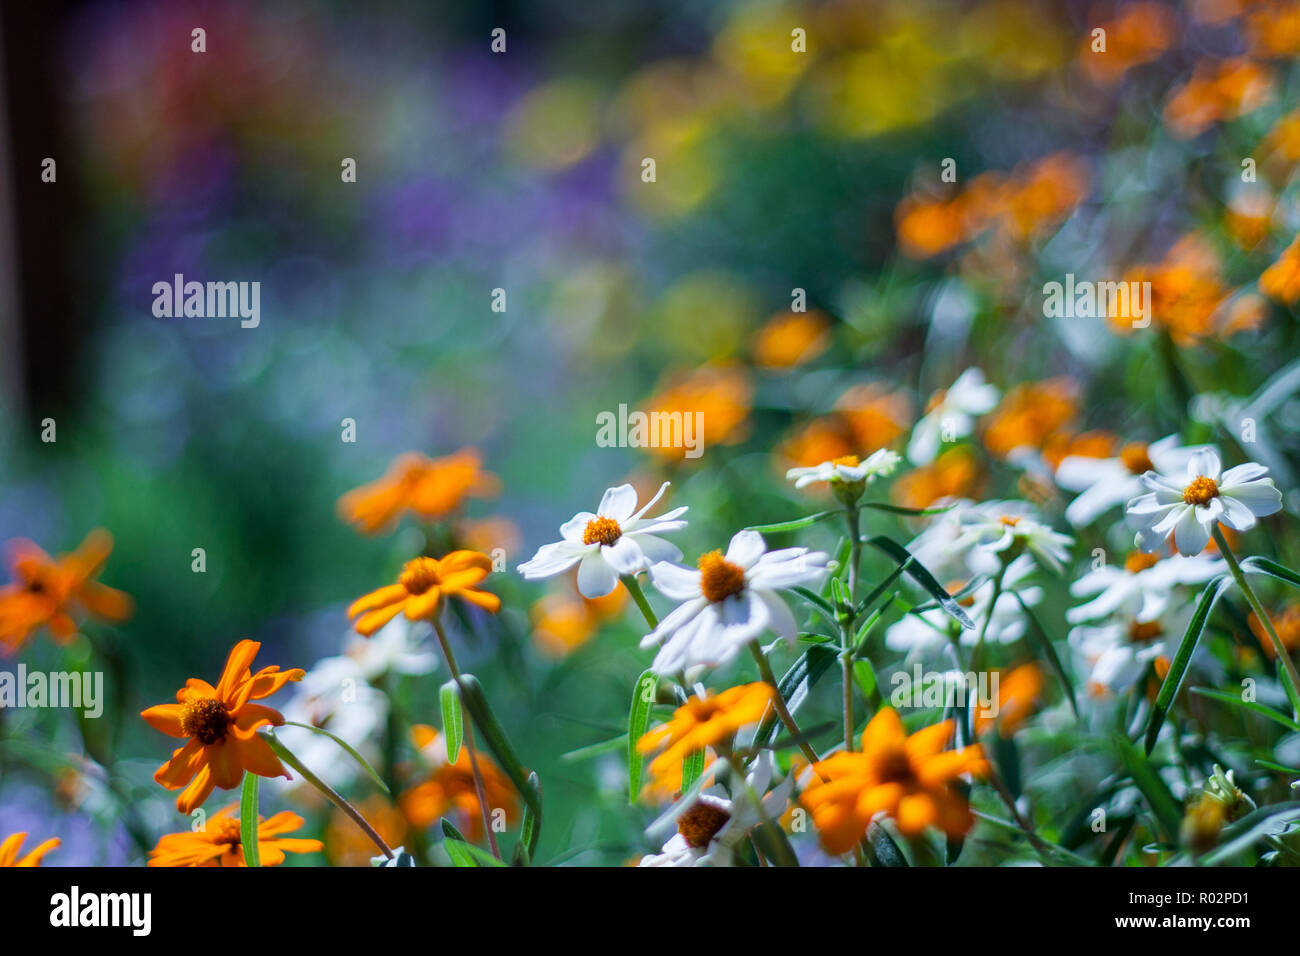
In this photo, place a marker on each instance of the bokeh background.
(521, 171)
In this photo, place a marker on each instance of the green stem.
(634, 588)
(1291, 680)
(988, 618)
(480, 791)
(847, 623)
(334, 796)
(765, 669)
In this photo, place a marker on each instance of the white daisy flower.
(952, 411)
(616, 540)
(1189, 507)
(1106, 482)
(728, 601)
(1116, 653)
(710, 828)
(919, 635)
(1142, 586)
(998, 526)
(848, 469)
(937, 546)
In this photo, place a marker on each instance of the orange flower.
(221, 723)
(430, 488)
(1053, 186)
(1281, 280)
(822, 439)
(908, 778)
(1030, 414)
(1092, 444)
(722, 393)
(1273, 31)
(49, 591)
(1186, 290)
(420, 588)
(1019, 693)
(1139, 34)
(450, 787)
(1287, 625)
(347, 845)
(1216, 92)
(876, 417)
(10, 847)
(702, 722)
(217, 844)
(790, 339)
(954, 474)
(564, 622)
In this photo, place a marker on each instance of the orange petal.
(167, 718)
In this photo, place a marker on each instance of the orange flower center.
(1143, 632)
(892, 765)
(851, 461)
(1009, 521)
(419, 575)
(1135, 458)
(719, 578)
(1201, 491)
(701, 823)
(601, 531)
(1137, 561)
(226, 831)
(205, 718)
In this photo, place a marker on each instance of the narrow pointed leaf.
(922, 576)
(453, 729)
(248, 821)
(794, 524)
(1183, 657)
(638, 720)
(352, 752)
(471, 693)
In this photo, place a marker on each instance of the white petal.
(552, 559)
(1250, 471)
(625, 555)
(745, 548)
(1204, 462)
(595, 577)
(674, 581)
(1190, 535)
(657, 549)
(1261, 497)
(618, 503)
(572, 529)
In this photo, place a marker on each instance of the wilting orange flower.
(1281, 280)
(702, 722)
(1137, 35)
(1286, 623)
(217, 844)
(908, 778)
(876, 416)
(221, 723)
(1030, 414)
(420, 588)
(450, 787)
(54, 591)
(791, 338)
(722, 393)
(429, 488)
(10, 848)
(1217, 91)
(564, 622)
(954, 474)
(1020, 691)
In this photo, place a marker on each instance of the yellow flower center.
(1201, 491)
(601, 531)
(1135, 458)
(1009, 521)
(206, 719)
(719, 578)
(1140, 632)
(851, 461)
(226, 831)
(1137, 561)
(419, 575)
(701, 823)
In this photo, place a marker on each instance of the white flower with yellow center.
(616, 540)
(951, 415)
(847, 470)
(728, 601)
(1142, 586)
(1106, 482)
(1189, 507)
(1117, 652)
(1006, 527)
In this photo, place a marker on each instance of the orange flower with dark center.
(908, 778)
(221, 723)
(53, 592)
(218, 843)
(12, 845)
(429, 488)
(420, 588)
(450, 787)
(703, 722)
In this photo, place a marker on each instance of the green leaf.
(692, 767)
(1268, 713)
(882, 848)
(248, 821)
(1049, 652)
(795, 524)
(453, 729)
(921, 575)
(1178, 668)
(1272, 569)
(899, 510)
(1267, 821)
(1157, 793)
(595, 750)
(461, 851)
(865, 675)
(817, 601)
(638, 720)
(795, 685)
(471, 695)
(771, 841)
(352, 752)
(531, 830)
